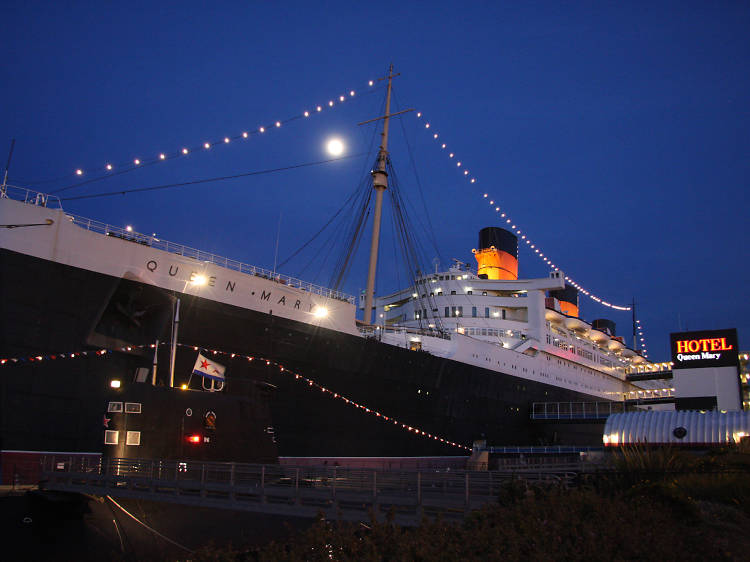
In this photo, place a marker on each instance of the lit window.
(133, 438)
(111, 437)
(114, 407)
(132, 407)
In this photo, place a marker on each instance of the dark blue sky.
(616, 135)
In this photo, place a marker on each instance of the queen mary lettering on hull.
(456, 355)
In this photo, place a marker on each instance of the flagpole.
(175, 326)
(153, 373)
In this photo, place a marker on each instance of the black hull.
(48, 308)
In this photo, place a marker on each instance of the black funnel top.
(568, 294)
(604, 325)
(500, 238)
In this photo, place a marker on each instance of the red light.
(194, 438)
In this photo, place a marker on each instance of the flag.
(207, 368)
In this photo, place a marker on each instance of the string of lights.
(308, 382)
(510, 223)
(642, 339)
(110, 168)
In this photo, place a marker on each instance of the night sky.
(615, 135)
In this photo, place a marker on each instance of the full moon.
(335, 147)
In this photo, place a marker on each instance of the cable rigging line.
(208, 180)
(412, 160)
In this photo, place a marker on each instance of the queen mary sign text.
(696, 350)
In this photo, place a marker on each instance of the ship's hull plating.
(50, 308)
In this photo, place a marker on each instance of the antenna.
(7, 166)
(276, 253)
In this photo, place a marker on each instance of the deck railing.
(575, 410)
(51, 201)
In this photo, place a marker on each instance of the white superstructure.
(507, 326)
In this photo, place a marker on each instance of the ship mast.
(379, 184)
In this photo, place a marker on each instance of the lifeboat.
(553, 316)
(627, 352)
(599, 337)
(615, 345)
(638, 359)
(576, 324)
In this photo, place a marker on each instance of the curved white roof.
(681, 427)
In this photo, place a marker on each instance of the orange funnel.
(497, 256)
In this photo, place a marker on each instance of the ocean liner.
(455, 356)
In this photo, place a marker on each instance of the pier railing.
(51, 201)
(301, 491)
(575, 410)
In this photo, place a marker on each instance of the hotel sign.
(695, 350)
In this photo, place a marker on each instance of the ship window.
(447, 312)
(133, 438)
(484, 331)
(473, 311)
(114, 407)
(132, 407)
(503, 314)
(460, 311)
(453, 292)
(111, 437)
(484, 293)
(486, 312)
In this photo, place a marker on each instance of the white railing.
(51, 201)
(378, 331)
(30, 197)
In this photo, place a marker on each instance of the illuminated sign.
(694, 350)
